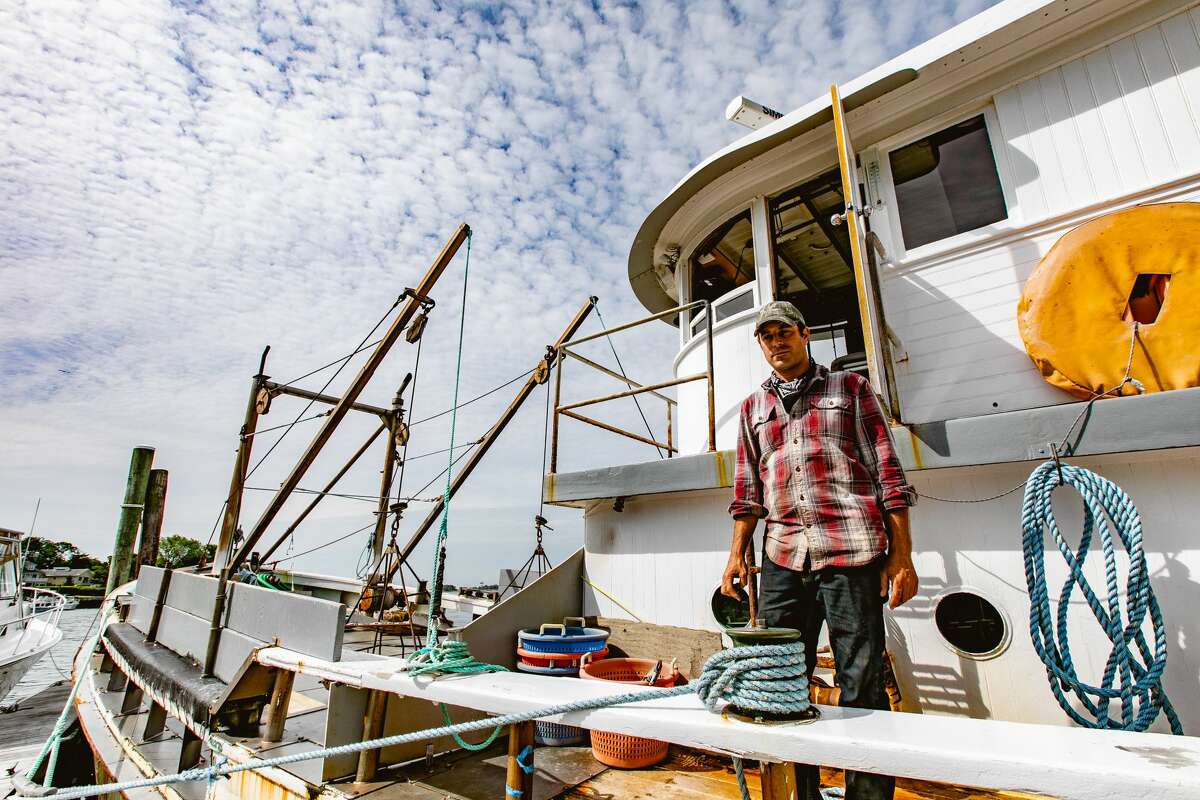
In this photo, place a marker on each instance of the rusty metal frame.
(635, 388)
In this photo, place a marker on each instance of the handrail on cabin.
(635, 388)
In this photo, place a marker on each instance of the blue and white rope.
(740, 676)
(1133, 678)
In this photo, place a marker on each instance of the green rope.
(439, 547)
(484, 745)
(450, 657)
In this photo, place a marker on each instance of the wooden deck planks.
(34, 717)
(690, 775)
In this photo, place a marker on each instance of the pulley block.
(262, 402)
(416, 327)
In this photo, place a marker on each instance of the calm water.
(74, 625)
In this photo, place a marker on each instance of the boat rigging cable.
(344, 361)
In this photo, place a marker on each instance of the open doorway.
(813, 269)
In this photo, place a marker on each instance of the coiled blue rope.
(1134, 669)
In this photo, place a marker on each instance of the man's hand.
(898, 579)
(735, 568)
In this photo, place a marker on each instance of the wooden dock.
(23, 731)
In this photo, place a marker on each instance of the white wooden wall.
(1118, 126)
(1123, 118)
(661, 557)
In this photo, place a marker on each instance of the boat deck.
(570, 773)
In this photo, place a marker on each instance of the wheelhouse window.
(814, 270)
(724, 261)
(947, 184)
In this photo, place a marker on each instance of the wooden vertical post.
(670, 432)
(190, 751)
(132, 701)
(120, 569)
(368, 760)
(152, 519)
(116, 680)
(780, 781)
(518, 783)
(159, 601)
(393, 423)
(277, 709)
(241, 465)
(562, 361)
(156, 721)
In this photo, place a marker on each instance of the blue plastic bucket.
(564, 638)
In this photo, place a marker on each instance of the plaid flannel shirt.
(822, 475)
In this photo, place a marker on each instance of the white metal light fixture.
(745, 111)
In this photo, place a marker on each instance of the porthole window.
(971, 624)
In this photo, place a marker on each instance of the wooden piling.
(152, 518)
(120, 569)
(519, 782)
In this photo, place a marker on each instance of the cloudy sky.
(185, 182)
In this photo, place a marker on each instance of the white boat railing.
(38, 605)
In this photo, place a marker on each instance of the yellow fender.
(1076, 316)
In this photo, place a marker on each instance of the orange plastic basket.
(618, 749)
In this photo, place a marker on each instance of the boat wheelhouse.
(904, 213)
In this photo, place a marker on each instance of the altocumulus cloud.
(182, 183)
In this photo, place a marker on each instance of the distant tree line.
(173, 551)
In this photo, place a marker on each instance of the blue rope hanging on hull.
(1134, 668)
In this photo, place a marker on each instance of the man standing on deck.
(816, 461)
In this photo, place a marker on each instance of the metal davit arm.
(351, 395)
(489, 438)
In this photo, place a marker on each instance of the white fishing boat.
(999, 229)
(28, 618)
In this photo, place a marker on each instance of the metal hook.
(1057, 462)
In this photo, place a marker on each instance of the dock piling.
(152, 519)
(120, 569)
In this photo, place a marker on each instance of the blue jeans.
(848, 601)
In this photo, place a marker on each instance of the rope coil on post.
(1134, 668)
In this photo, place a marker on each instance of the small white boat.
(47, 600)
(28, 618)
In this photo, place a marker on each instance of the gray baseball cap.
(780, 311)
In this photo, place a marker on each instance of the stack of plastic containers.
(556, 649)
